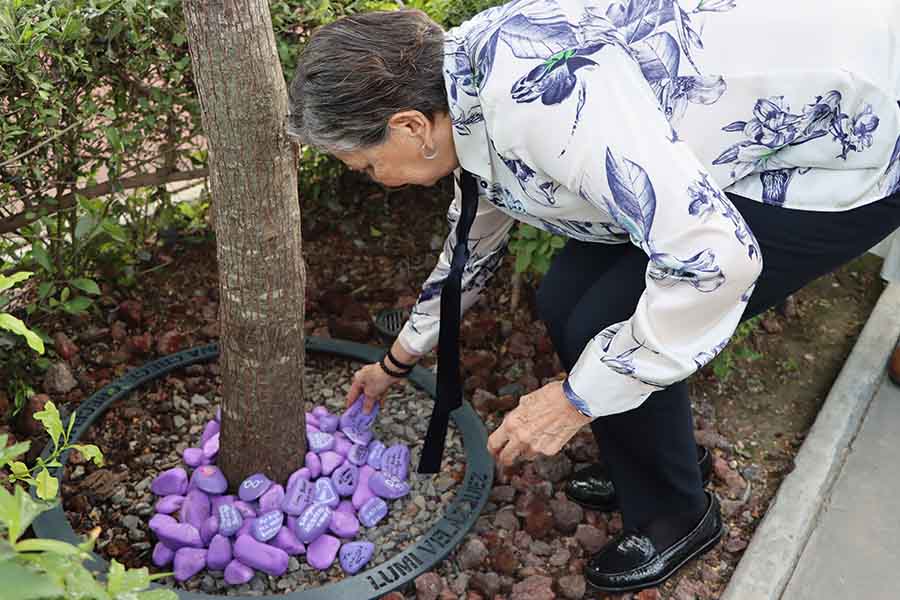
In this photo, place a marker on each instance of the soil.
(753, 412)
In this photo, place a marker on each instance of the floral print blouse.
(624, 121)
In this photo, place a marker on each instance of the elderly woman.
(705, 159)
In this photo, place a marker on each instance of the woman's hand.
(542, 424)
(372, 381)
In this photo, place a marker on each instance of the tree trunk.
(262, 276)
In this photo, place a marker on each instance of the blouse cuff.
(576, 400)
(602, 390)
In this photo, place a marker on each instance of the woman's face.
(400, 160)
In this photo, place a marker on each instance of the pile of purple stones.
(347, 479)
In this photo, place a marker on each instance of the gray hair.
(354, 73)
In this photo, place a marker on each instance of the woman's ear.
(414, 124)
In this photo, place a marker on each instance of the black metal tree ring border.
(459, 515)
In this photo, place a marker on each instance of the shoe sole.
(701, 550)
(608, 508)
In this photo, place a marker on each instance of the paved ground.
(854, 549)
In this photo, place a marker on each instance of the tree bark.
(262, 275)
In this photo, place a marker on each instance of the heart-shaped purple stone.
(376, 451)
(359, 436)
(355, 555)
(266, 558)
(219, 554)
(312, 462)
(345, 478)
(319, 441)
(169, 504)
(373, 511)
(271, 500)
(253, 487)
(358, 454)
(320, 411)
(189, 562)
(395, 461)
(301, 473)
(247, 510)
(211, 447)
(267, 525)
(161, 519)
(355, 417)
(195, 508)
(237, 573)
(312, 419)
(209, 529)
(321, 553)
(287, 541)
(211, 429)
(328, 423)
(313, 522)
(330, 462)
(311, 429)
(363, 493)
(347, 507)
(170, 482)
(230, 519)
(342, 446)
(162, 555)
(387, 486)
(344, 525)
(297, 497)
(217, 501)
(210, 479)
(324, 493)
(177, 535)
(193, 457)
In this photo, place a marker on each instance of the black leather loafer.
(592, 488)
(632, 562)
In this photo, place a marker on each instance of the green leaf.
(11, 323)
(157, 595)
(65, 294)
(77, 305)
(374, 232)
(557, 242)
(90, 452)
(47, 485)
(52, 423)
(46, 289)
(89, 286)
(18, 510)
(24, 583)
(41, 257)
(527, 232)
(522, 262)
(47, 545)
(8, 282)
(121, 581)
(85, 226)
(7, 454)
(19, 469)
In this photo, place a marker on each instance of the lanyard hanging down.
(449, 390)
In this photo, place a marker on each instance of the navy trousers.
(650, 451)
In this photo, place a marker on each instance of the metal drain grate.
(389, 322)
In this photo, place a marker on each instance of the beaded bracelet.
(391, 372)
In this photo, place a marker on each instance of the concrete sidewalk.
(854, 550)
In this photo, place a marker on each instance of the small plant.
(11, 323)
(723, 364)
(534, 249)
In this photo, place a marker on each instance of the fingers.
(355, 389)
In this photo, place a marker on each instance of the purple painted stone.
(344, 525)
(193, 457)
(245, 528)
(313, 463)
(311, 429)
(211, 429)
(387, 486)
(342, 446)
(360, 436)
(218, 414)
(170, 482)
(169, 504)
(297, 497)
(210, 479)
(245, 508)
(320, 411)
(211, 446)
(178, 535)
(355, 555)
(196, 508)
(312, 419)
(313, 522)
(376, 452)
(209, 529)
(271, 500)
(253, 487)
(237, 573)
(219, 554)
(330, 462)
(267, 525)
(355, 417)
(230, 520)
(339, 435)
(287, 541)
(328, 423)
(161, 519)
(301, 473)
(189, 562)
(373, 511)
(363, 493)
(290, 521)
(325, 493)
(345, 478)
(217, 501)
(162, 555)
(266, 558)
(358, 454)
(319, 441)
(321, 553)
(395, 462)
(347, 507)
